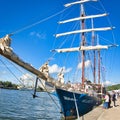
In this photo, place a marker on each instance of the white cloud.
(87, 64)
(56, 69)
(27, 80)
(26, 77)
(38, 35)
(32, 33)
(68, 70)
(108, 83)
(3, 72)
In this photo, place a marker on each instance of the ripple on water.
(19, 105)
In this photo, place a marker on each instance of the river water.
(19, 105)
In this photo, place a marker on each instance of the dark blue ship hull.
(84, 103)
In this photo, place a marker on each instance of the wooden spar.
(14, 58)
(83, 44)
(81, 48)
(81, 18)
(99, 60)
(84, 31)
(93, 43)
(78, 2)
(98, 66)
(94, 67)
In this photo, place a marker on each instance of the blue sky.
(34, 27)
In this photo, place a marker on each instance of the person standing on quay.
(106, 101)
(114, 99)
(109, 103)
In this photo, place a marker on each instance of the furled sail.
(5, 43)
(81, 18)
(6, 51)
(83, 31)
(44, 69)
(97, 47)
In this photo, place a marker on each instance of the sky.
(33, 24)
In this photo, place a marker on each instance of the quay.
(100, 113)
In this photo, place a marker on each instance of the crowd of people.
(108, 99)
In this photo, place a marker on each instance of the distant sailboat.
(75, 99)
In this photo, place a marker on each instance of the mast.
(94, 56)
(98, 62)
(98, 66)
(83, 44)
(83, 17)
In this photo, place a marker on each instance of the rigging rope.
(11, 71)
(23, 84)
(108, 19)
(29, 26)
(19, 69)
(108, 22)
(49, 94)
(91, 65)
(14, 74)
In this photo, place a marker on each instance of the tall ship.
(78, 95)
